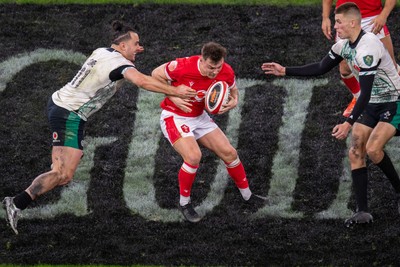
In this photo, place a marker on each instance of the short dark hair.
(213, 51)
(120, 32)
(349, 8)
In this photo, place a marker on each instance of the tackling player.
(374, 18)
(376, 114)
(69, 108)
(186, 124)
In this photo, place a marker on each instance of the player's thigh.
(66, 126)
(217, 142)
(189, 150)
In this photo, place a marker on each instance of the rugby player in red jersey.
(186, 124)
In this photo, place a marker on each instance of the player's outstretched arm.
(273, 68)
(151, 84)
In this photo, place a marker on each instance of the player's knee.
(229, 154)
(193, 158)
(355, 154)
(375, 154)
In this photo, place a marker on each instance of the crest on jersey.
(368, 60)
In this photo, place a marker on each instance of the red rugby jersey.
(368, 8)
(187, 72)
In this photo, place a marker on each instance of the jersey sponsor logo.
(55, 137)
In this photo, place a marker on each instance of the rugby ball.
(216, 95)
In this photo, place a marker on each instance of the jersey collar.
(353, 45)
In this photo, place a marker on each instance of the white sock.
(184, 200)
(246, 193)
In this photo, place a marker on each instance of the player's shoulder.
(110, 58)
(183, 63)
(188, 60)
(107, 52)
(369, 50)
(227, 72)
(228, 68)
(370, 38)
(369, 42)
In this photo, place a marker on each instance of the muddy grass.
(111, 234)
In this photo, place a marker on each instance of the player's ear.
(122, 45)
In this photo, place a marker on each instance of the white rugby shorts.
(175, 127)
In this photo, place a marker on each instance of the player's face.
(342, 26)
(132, 47)
(210, 68)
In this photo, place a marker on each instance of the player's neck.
(199, 67)
(354, 36)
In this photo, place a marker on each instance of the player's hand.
(378, 23)
(232, 103)
(183, 104)
(184, 91)
(326, 28)
(341, 131)
(273, 69)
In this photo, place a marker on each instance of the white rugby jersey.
(368, 56)
(94, 84)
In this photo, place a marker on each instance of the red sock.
(237, 172)
(186, 177)
(352, 84)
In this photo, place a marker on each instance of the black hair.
(120, 32)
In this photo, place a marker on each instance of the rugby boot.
(13, 213)
(350, 107)
(360, 217)
(189, 213)
(256, 202)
